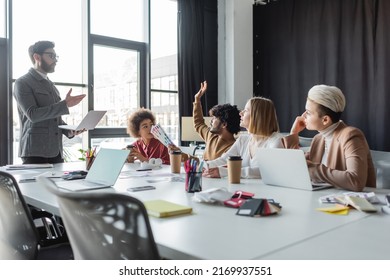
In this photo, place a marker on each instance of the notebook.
(286, 168)
(361, 204)
(88, 122)
(28, 166)
(162, 208)
(103, 173)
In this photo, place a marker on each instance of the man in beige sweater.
(225, 123)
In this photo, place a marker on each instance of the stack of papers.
(28, 166)
(48, 174)
(340, 197)
(358, 200)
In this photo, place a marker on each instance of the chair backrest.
(18, 234)
(381, 160)
(305, 141)
(105, 225)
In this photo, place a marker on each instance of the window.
(116, 83)
(120, 19)
(164, 98)
(109, 64)
(49, 24)
(52, 26)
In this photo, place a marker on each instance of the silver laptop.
(88, 122)
(286, 168)
(103, 173)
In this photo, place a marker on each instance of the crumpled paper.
(214, 195)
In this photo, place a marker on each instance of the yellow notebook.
(162, 208)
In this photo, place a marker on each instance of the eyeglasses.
(52, 55)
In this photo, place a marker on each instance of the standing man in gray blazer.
(40, 108)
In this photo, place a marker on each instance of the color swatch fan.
(160, 134)
(256, 207)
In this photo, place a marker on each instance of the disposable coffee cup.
(234, 169)
(175, 159)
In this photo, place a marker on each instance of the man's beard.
(48, 68)
(216, 130)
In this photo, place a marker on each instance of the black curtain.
(197, 53)
(301, 43)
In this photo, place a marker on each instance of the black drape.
(197, 53)
(301, 43)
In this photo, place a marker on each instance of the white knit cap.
(328, 96)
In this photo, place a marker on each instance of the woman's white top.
(242, 148)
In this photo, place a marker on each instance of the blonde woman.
(260, 120)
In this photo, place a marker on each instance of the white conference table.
(215, 232)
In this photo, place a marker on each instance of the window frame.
(144, 97)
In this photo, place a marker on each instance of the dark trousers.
(29, 160)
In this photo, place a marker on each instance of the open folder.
(88, 122)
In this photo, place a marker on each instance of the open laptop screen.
(285, 168)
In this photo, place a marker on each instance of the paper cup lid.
(235, 158)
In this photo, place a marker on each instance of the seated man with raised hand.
(339, 154)
(219, 137)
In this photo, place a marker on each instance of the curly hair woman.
(139, 125)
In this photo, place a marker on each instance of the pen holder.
(89, 162)
(193, 182)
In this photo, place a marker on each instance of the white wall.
(235, 51)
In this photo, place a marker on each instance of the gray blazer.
(40, 109)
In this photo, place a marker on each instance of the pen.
(200, 167)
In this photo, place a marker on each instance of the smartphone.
(142, 188)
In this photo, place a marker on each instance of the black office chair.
(108, 226)
(19, 237)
